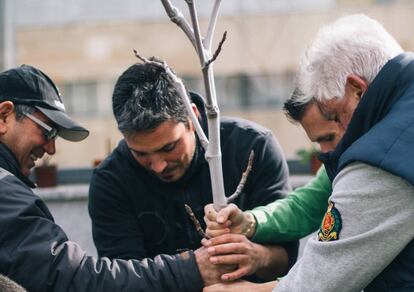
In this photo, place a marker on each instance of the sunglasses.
(49, 132)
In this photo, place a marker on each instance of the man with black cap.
(34, 251)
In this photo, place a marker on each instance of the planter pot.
(96, 162)
(46, 176)
(315, 164)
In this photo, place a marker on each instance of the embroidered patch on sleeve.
(331, 224)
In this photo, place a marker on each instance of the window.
(88, 98)
(248, 91)
(241, 91)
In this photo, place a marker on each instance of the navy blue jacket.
(381, 134)
(136, 215)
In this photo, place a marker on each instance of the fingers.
(240, 272)
(230, 259)
(210, 213)
(228, 248)
(228, 219)
(213, 228)
(225, 238)
(213, 233)
(214, 225)
(227, 213)
(223, 215)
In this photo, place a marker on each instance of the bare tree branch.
(213, 150)
(195, 221)
(243, 179)
(202, 53)
(217, 52)
(177, 17)
(211, 25)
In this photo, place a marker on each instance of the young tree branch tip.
(201, 51)
(243, 179)
(177, 17)
(143, 59)
(217, 52)
(195, 222)
(212, 25)
(162, 65)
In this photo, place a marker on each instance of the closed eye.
(169, 147)
(166, 149)
(138, 153)
(327, 138)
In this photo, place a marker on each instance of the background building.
(86, 45)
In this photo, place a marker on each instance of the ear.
(6, 110)
(197, 114)
(356, 85)
(195, 110)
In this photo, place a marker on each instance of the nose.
(157, 163)
(50, 147)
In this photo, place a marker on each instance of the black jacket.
(136, 215)
(35, 252)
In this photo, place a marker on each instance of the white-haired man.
(361, 78)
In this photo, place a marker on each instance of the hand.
(210, 272)
(241, 285)
(228, 220)
(236, 250)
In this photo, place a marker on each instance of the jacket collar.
(386, 89)
(9, 162)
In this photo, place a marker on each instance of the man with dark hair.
(34, 251)
(284, 220)
(137, 195)
(293, 109)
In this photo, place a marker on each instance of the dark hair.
(293, 107)
(144, 97)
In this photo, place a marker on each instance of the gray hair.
(354, 44)
(22, 109)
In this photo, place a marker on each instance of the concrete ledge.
(73, 192)
(75, 175)
(83, 175)
(79, 192)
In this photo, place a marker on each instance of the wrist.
(249, 228)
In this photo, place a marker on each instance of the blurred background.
(85, 45)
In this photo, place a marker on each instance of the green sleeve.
(295, 216)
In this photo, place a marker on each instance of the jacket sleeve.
(295, 216)
(115, 229)
(36, 253)
(368, 223)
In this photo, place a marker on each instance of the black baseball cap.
(29, 86)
